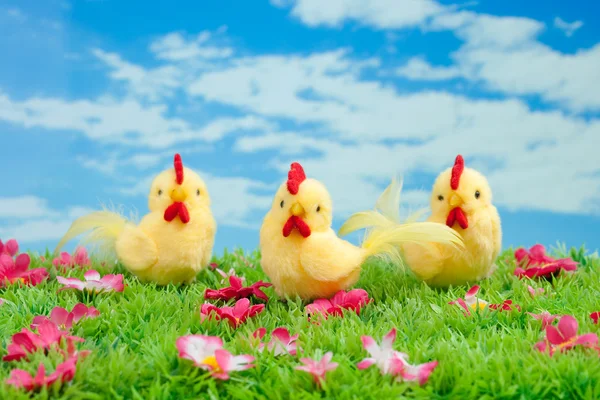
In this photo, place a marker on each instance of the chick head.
(177, 190)
(301, 205)
(458, 193)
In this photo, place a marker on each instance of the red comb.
(295, 177)
(178, 168)
(457, 170)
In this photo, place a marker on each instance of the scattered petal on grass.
(545, 317)
(594, 316)
(318, 369)
(207, 353)
(1, 301)
(406, 372)
(65, 319)
(17, 270)
(93, 282)
(534, 292)
(564, 337)
(237, 291)
(471, 301)
(236, 315)
(392, 362)
(64, 372)
(352, 300)
(79, 258)
(536, 264)
(506, 305)
(381, 356)
(281, 341)
(27, 342)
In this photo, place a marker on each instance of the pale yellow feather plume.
(103, 227)
(385, 232)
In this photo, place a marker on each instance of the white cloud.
(110, 164)
(503, 54)
(417, 68)
(29, 219)
(15, 14)
(174, 47)
(381, 14)
(119, 121)
(152, 84)
(24, 207)
(568, 28)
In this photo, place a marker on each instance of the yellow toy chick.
(303, 256)
(461, 199)
(172, 243)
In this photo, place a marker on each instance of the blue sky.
(96, 97)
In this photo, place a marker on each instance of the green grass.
(489, 355)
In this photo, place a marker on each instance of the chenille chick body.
(172, 243)
(303, 256)
(461, 198)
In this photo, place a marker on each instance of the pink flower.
(594, 316)
(281, 341)
(353, 300)
(93, 282)
(392, 362)
(79, 258)
(65, 319)
(10, 248)
(17, 270)
(564, 337)
(534, 292)
(318, 369)
(535, 263)
(237, 291)
(545, 317)
(471, 302)
(236, 315)
(506, 305)
(207, 353)
(27, 342)
(64, 373)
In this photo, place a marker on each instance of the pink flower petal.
(281, 334)
(388, 340)
(366, 363)
(554, 336)
(260, 333)
(472, 292)
(92, 275)
(588, 339)
(568, 326)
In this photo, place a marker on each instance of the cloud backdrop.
(97, 96)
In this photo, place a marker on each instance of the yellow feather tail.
(102, 227)
(386, 234)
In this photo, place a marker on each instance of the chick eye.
(477, 194)
(159, 192)
(197, 192)
(281, 204)
(318, 208)
(440, 197)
